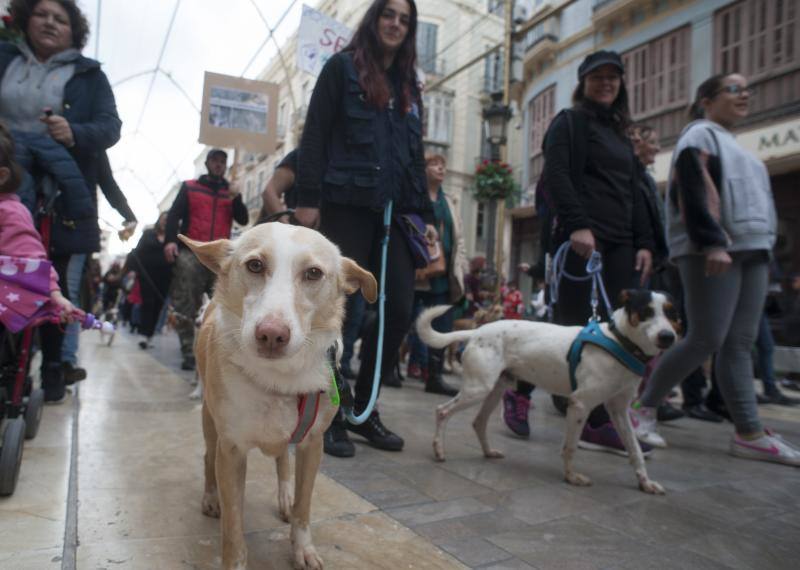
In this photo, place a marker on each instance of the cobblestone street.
(139, 483)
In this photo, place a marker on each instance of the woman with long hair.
(591, 175)
(361, 148)
(721, 228)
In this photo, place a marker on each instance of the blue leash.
(376, 377)
(594, 269)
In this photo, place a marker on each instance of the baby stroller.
(20, 404)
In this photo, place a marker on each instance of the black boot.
(435, 384)
(53, 383)
(377, 434)
(336, 441)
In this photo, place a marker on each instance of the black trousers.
(358, 232)
(574, 308)
(152, 303)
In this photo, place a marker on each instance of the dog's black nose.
(665, 339)
(272, 336)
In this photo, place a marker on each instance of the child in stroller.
(20, 405)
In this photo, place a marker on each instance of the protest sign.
(318, 38)
(239, 113)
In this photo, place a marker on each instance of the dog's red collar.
(307, 410)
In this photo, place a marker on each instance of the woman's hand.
(718, 261)
(582, 242)
(59, 129)
(644, 264)
(67, 308)
(171, 252)
(308, 217)
(127, 231)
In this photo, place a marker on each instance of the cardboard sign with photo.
(239, 113)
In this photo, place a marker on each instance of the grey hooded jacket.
(707, 162)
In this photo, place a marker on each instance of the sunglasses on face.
(736, 89)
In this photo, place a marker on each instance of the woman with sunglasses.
(721, 226)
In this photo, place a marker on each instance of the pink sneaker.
(515, 412)
(769, 447)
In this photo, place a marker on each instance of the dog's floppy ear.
(356, 278)
(625, 301)
(212, 254)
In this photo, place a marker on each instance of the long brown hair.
(366, 49)
(620, 109)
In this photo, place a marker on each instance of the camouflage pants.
(190, 280)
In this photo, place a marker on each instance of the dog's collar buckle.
(592, 334)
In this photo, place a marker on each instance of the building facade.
(450, 33)
(669, 47)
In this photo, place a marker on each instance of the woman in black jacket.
(361, 147)
(593, 182)
(155, 275)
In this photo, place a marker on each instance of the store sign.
(318, 38)
(769, 143)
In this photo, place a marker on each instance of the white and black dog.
(537, 353)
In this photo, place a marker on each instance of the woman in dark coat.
(77, 111)
(155, 274)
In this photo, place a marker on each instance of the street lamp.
(496, 116)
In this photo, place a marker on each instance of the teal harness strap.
(592, 334)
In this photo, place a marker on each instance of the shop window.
(657, 74)
(757, 37)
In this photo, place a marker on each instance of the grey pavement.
(139, 479)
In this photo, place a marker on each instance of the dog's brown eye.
(255, 266)
(314, 274)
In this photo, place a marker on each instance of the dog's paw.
(577, 479)
(306, 558)
(211, 505)
(651, 487)
(285, 502)
(494, 454)
(438, 451)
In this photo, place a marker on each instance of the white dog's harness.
(630, 356)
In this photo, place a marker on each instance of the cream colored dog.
(277, 308)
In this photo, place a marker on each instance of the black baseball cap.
(215, 152)
(598, 59)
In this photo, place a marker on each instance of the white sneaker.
(769, 447)
(644, 426)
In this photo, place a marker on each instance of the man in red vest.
(203, 210)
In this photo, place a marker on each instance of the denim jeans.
(69, 349)
(765, 351)
(351, 328)
(443, 324)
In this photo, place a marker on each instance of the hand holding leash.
(308, 217)
(582, 242)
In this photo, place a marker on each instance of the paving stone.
(747, 550)
(437, 511)
(474, 551)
